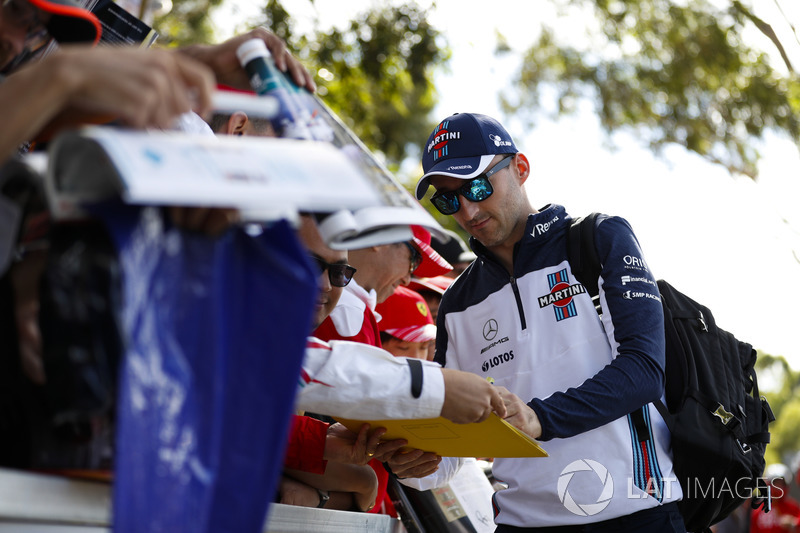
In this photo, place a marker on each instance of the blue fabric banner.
(216, 333)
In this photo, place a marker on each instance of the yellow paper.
(494, 437)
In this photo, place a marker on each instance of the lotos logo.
(605, 481)
(498, 360)
(441, 137)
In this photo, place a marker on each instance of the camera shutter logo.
(585, 509)
(490, 329)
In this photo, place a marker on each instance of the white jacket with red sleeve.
(359, 381)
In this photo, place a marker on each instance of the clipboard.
(494, 437)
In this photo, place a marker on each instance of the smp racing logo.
(441, 137)
(561, 293)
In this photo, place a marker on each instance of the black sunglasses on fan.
(339, 274)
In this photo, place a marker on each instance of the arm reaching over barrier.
(140, 88)
(520, 415)
(221, 58)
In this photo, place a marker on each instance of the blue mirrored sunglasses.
(477, 189)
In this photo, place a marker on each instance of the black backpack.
(718, 421)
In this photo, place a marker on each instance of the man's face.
(328, 294)
(401, 348)
(393, 267)
(18, 21)
(496, 219)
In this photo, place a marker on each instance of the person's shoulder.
(462, 287)
(612, 227)
(350, 300)
(349, 315)
(612, 221)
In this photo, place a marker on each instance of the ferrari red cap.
(432, 263)
(405, 315)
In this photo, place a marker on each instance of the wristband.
(324, 496)
(415, 366)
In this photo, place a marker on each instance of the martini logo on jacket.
(561, 295)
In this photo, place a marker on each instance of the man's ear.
(523, 167)
(237, 123)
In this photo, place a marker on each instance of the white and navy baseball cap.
(462, 146)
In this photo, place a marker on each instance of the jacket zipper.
(518, 298)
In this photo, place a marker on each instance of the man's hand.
(143, 88)
(414, 463)
(469, 398)
(223, 61)
(78, 85)
(520, 415)
(344, 446)
(212, 222)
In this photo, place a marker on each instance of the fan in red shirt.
(785, 514)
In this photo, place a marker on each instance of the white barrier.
(49, 504)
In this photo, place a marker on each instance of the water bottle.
(292, 120)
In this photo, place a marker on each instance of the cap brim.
(430, 284)
(414, 333)
(432, 264)
(463, 168)
(70, 23)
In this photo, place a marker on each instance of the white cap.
(250, 50)
(778, 471)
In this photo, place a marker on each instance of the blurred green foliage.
(376, 74)
(668, 71)
(671, 72)
(783, 395)
(188, 22)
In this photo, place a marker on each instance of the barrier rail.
(50, 504)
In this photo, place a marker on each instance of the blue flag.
(215, 332)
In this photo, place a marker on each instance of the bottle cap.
(250, 50)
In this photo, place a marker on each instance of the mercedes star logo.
(490, 329)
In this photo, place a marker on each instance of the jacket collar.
(537, 229)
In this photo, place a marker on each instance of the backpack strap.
(582, 254)
(586, 265)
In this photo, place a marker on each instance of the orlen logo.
(634, 263)
(441, 137)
